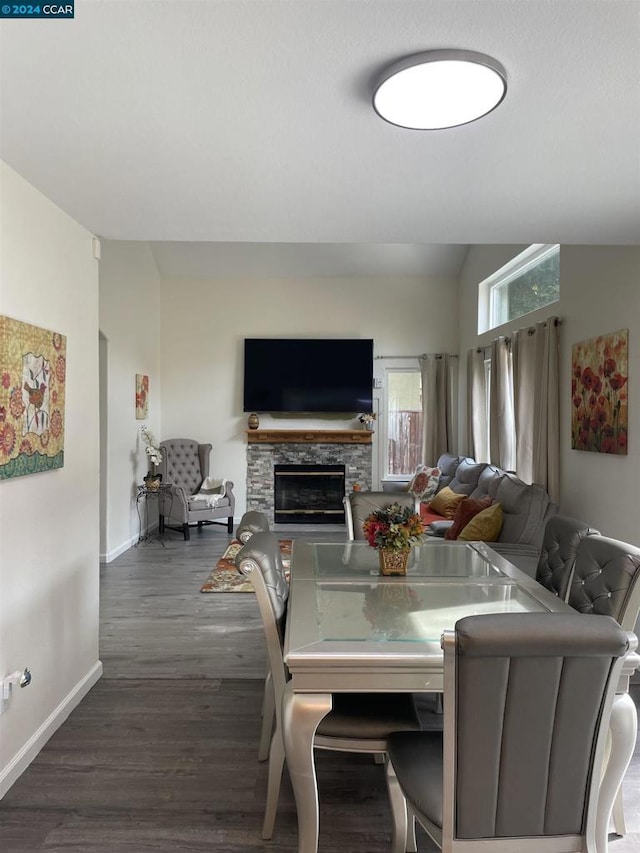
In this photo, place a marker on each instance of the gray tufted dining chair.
(528, 698)
(358, 722)
(606, 580)
(562, 536)
(358, 505)
(185, 465)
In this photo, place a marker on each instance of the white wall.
(204, 323)
(130, 344)
(599, 294)
(49, 521)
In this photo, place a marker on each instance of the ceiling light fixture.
(439, 88)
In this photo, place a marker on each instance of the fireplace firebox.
(309, 494)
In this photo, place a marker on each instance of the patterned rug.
(226, 578)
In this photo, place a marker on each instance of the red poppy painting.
(599, 394)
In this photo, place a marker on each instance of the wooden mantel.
(309, 436)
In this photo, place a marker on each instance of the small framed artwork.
(142, 396)
(599, 411)
(33, 367)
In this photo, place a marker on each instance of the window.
(528, 282)
(403, 414)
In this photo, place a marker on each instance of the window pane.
(404, 421)
(526, 283)
(534, 288)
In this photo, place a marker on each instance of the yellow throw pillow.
(446, 502)
(485, 526)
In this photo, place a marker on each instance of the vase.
(152, 481)
(393, 562)
(253, 421)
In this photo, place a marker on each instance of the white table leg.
(301, 713)
(623, 728)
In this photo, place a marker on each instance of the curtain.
(502, 442)
(436, 407)
(477, 434)
(536, 405)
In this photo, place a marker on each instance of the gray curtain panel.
(477, 433)
(437, 407)
(502, 438)
(536, 405)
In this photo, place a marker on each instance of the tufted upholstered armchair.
(185, 465)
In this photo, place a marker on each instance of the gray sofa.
(526, 507)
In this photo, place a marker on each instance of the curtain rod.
(530, 330)
(422, 355)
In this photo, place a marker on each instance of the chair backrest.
(358, 505)
(527, 702)
(261, 559)
(606, 580)
(562, 535)
(185, 463)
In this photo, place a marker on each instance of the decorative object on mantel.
(142, 396)
(393, 531)
(367, 419)
(599, 394)
(32, 398)
(253, 421)
(152, 449)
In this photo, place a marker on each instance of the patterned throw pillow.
(485, 526)
(424, 483)
(466, 510)
(445, 503)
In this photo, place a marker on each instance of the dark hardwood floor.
(162, 753)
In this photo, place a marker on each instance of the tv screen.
(308, 375)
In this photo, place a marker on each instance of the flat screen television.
(308, 375)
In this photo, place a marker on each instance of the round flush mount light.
(439, 88)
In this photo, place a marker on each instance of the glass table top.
(433, 559)
(409, 611)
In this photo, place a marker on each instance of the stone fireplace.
(336, 450)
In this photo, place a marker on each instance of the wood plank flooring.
(161, 755)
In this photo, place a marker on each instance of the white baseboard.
(115, 552)
(32, 747)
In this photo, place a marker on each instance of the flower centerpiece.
(154, 454)
(393, 531)
(367, 419)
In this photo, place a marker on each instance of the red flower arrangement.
(393, 528)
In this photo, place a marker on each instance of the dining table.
(351, 629)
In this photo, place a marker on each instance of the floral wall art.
(142, 396)
(599, 394)
(32, 392)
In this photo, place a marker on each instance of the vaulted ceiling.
(233, 122)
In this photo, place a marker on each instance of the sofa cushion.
(525, 507)
(446, 502)
(466, 477)
(447, 465)
(467, 509)
(488, 482)
(485, 526)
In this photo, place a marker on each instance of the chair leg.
(412, 844)
(398, 811)
(268, 714)
(618, 814)
(276, 764)
(185, 532)
(230, 524)
(161, 524)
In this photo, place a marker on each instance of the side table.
(150, 495)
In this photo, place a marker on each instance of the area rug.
(226, 578)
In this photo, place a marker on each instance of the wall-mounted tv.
(308, 375)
